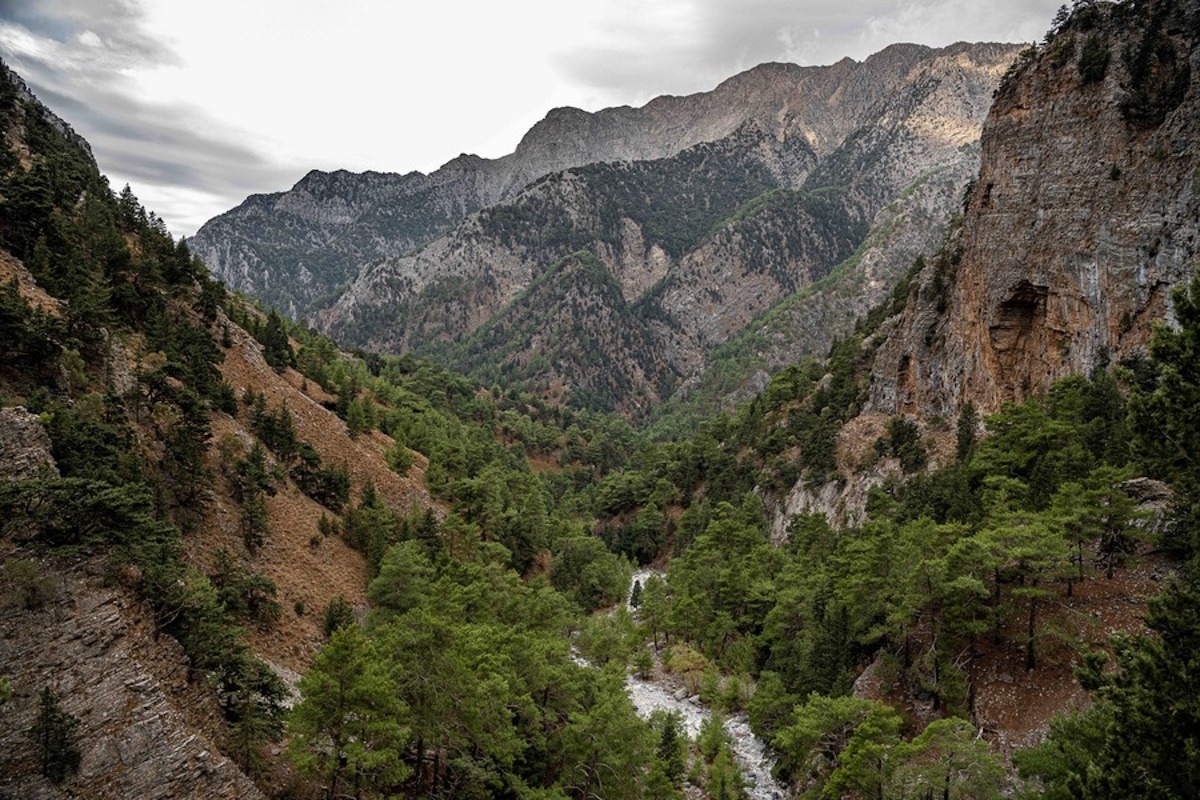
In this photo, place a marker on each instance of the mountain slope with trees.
(181, 466)
(701, 242)
(188, 518)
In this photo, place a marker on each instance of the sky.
(197, 105)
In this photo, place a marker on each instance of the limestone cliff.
(1084, 217)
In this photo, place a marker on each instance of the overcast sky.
(198, 104)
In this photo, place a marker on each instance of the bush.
(399, 459)
(25, 586)
(903, 441)
(1093, 61)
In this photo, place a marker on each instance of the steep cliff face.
(706, 240)
(297, 249)
(144, 727)
(1083, 219)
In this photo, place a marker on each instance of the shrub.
(26, 587)
(338, 614)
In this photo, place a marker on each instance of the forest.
(504, 623)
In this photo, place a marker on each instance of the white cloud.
(199, 104)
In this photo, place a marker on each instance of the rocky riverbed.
(663, 692)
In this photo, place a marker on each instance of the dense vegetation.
(120, 274)
(483, 669)
(676, 200)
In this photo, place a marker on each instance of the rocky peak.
(27, 99)
(700, 242)
(296, 249)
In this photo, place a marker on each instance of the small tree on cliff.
(54, 735)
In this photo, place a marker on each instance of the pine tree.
(968, 422)
(53, 734)
(349, 729)
(277, 350)
(1166, 417)
(1141, 739)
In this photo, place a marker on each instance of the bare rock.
(144, 730)
(24, 446)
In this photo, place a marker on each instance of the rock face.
(660, 194)
(1084, 217)
(1083, 220)
(24, 446)
(139, 718)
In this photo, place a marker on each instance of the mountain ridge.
(251, 251)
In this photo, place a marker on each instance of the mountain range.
(693, 215)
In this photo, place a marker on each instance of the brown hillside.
(303, 572)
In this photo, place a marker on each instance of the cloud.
(691, 45)
(144, 83)
(77, 60)
(110, 30)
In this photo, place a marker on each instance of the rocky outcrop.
(25, 99)
(24, 446)
(142, 724)
(1084, 217)
(1082, 221)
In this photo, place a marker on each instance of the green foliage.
(723, 779)
(26, 586)
(349, 727)
(399, 459)
(359, 417)
(903, 441)
(949, 758)
(571, 325)
(338, 615)
(371, 526)
(584, 571)
(965, 433)
(53, 734)
(92, 439)
(841, 745)
(252, 482)
(277, 350)
(29, 339)
(493, 699)
(609, 639)
(329, 486)
(1166, 416)
(1093, 61)
(244, 594)
(675, 200)
(671, 749)
(1159, 74)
